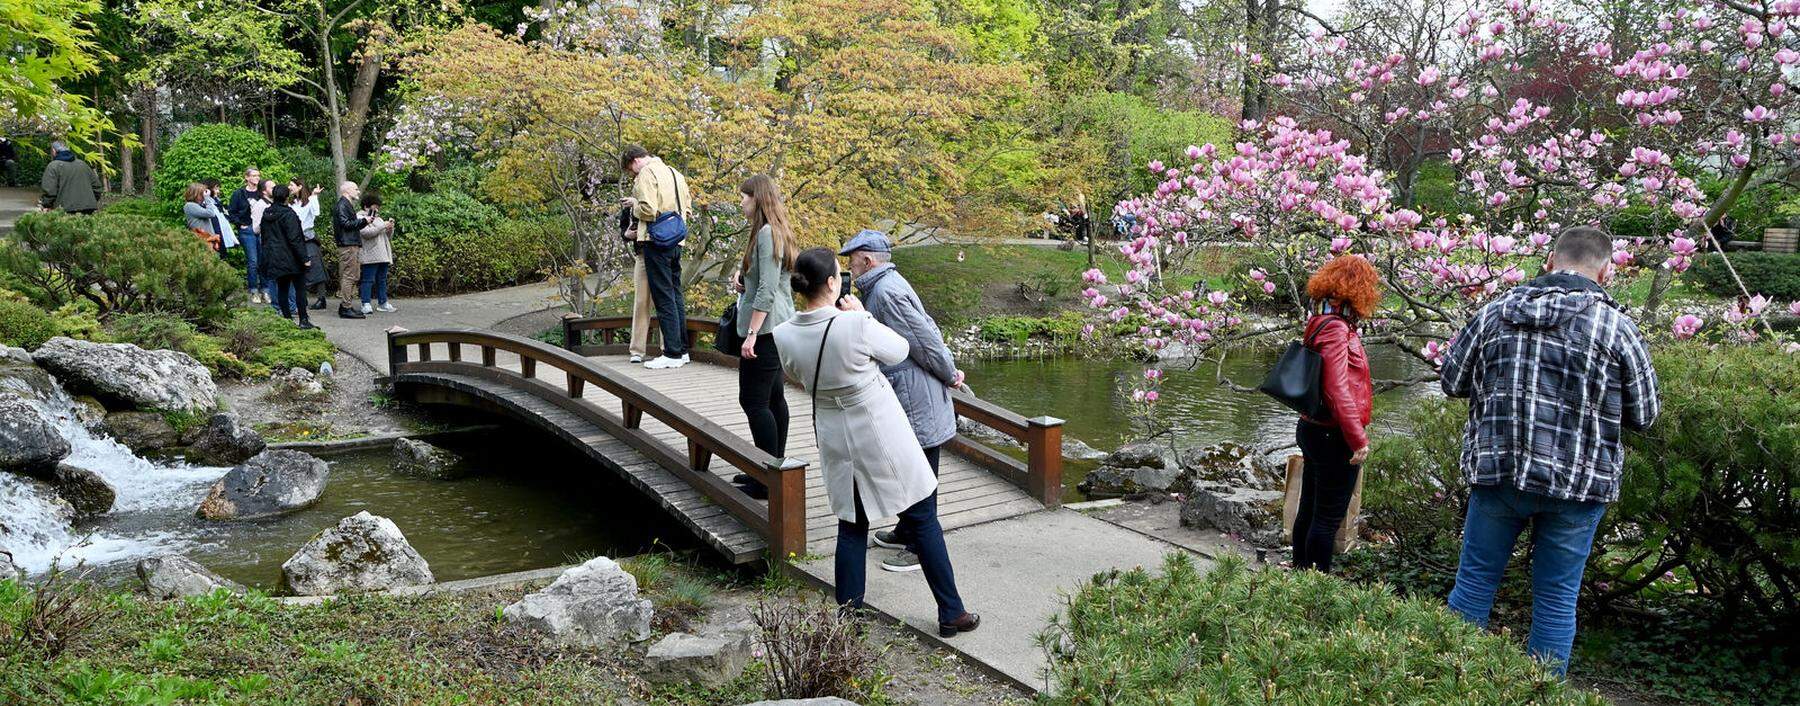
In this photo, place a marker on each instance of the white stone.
(131, 376)
(176, 576)
(591, 604)
(681, 658)
(363, 552)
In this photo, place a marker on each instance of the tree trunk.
(362, 92)
(127, 170)
(148, 130)
(1259, 30)
(340, 167)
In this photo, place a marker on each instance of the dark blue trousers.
(852, 571)
(662, 267)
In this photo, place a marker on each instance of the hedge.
(1237, 635)
(450, 241)
(216, 151)
(1771, 274)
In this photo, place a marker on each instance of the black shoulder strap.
(817, 366)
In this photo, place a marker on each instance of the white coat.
(866, 445)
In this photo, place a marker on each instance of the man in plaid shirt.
(1554, 372)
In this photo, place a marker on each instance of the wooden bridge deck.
(968, 493)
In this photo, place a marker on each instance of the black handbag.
(727, 340)
(1296, 381)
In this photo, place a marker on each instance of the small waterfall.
(35, 525)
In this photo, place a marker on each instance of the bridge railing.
(782, 521)
(1040, 474)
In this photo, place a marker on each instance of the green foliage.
(450, 241)
(1772, 274)
(159, 210)
(1017, 329)
(153, 331)
(1238, 635)
(48, 45)
(216, 151)
(120, 264)
(261, 337)
(1434, 190)
(1136, 131)
(24, 325)
(1690, 653)
(310, 168)
(1419, 496)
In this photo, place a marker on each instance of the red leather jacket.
(1345, 377)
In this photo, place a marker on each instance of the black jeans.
(903, 530)
(764, 401)
(851, 566)
(662, 266)
(1326, 483)
(287, 288)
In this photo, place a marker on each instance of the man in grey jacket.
(922, 381)
(69, 183)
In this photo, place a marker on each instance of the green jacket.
(71, 185)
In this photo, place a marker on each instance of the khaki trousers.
(642, 311)
(349, 273)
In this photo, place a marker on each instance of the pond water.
(1091, 395)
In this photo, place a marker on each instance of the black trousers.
(287, 288)
(662, 266)
(761, 396)
(1326, 483)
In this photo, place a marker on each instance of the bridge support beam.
(1044, 441)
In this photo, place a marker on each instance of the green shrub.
(153, 331)
(160, 210)
(1018, 329)
(260, 336)
(1773, 274)
(450, 241)
(24, 325)
(1234, 635)
(215, 151)
(121, 264)
(310, 168)
(1418, 498)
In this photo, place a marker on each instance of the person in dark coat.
(9, 162)
(284, 259)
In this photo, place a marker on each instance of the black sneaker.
(349, 313)
(319, 305)
(307, 325)
(888, 539)
(967, 623)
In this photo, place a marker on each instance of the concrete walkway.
(15, 202)
(366, 339)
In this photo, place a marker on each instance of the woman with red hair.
(1346, 291)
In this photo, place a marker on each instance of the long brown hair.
(196, 192)
(769, 211)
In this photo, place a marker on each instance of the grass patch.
(1017, 280)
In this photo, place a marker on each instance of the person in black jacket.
(9, 162)
(346, 231)
(284, 260)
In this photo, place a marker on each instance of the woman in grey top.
(765, 300)
(200, 214)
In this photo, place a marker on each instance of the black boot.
(306, 324)
(350, 313)
(320, 304)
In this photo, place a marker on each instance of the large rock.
(225, 441)
(417, 458)
(274, 482)
(129, 376)
(1251, 515)
(29, 442)
(680, 658)
(1141, 454)
(8, 570)
(363, 552)
(141, 431)
(176, 576)
(299, 383)
(88, 493)
(1234, 465)
(1079, 450)
(592, 604)
(1113, 481)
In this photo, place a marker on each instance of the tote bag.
(1295, 379)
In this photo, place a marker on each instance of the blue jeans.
(252, 260)
(374, 282)
(1562, 534)
(851, 567)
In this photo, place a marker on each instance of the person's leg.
(1562, 535)
(1307, 439)
(753, 398)
(664, 284)
(680, 300)
(365, 283)
(902, 534)
(252, 261)
(934, 556)
(641, 311)
(1334, 483)
(283, 299)
(1490, 530)
(848, 568)
(349, 273)
(381, 282)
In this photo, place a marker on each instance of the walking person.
(872, 467)
(201, 213)
(346, 232)
(922, 380)
(306, 205)
(283, 258)
(1345, 292)
(376, 255)
(69, 183)
(765, 300)
(9, 162)
(660, 200)
(1554, 371)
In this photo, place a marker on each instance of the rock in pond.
(418, 458)
(225, 441)
(8, 570)
(1080, 451)
(1252, 515)
(176, 576)
(29, 441)
(363, 552)
(85, 490)
(274, 482)
(680, 658)
(1231, 464)
(129, 376)
(1141, 454)
(592, 604)
(141, 431)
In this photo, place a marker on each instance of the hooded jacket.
(283, 243)
(70, 184)
(1554, 372)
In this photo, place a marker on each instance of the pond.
(1091, 395)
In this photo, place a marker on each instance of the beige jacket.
(655, 190)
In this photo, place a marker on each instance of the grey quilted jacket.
(922, 381)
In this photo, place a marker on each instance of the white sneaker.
(368, 309)
(664, 362)
(635, 359)
(386, 308)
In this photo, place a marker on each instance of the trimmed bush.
(450, 241)
(1773, 274)
(24, 325)
(216, 151)
(119, 264)
(159, 210)
(1234, 635)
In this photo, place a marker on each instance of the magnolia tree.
(1704, 95)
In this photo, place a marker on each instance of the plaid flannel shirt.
(1554, 371)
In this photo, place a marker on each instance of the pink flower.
(1193, 152)
(1340, 244)
(1427, 76)
(1622, 258)
(1687, 325)
(1217, 297)
(1258, 275)
(1151, 396)
(1683, 245)
(1269, 288)
(1757, 304)
(1794, 308)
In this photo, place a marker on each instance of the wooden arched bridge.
(678, 435)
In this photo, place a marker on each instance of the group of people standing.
(878, 373)
(277, 227)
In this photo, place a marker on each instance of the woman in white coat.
(871, 461)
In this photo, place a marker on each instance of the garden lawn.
(1009, 279)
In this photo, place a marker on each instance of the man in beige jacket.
(658, 189)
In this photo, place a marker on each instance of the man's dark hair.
(371, 198)
(631, 154)
(1582, 246)
(280, 193)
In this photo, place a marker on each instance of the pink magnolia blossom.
(1686, 326)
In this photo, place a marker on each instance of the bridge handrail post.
(787, 507)
(1043, 443)
(571, 337)
(396, 353)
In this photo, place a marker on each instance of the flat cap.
(871, 240)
